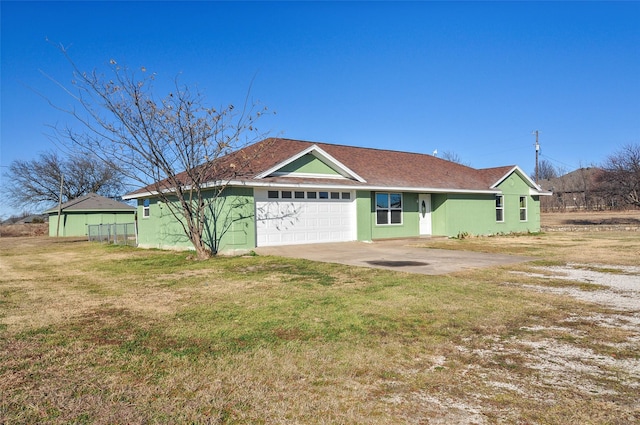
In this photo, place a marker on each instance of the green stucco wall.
(75, 223)
(512, 188)
(452, 214)
(369, 230)
(232, 231)
(455, 214)
(308, 164)
(475, 214)
(364, 203)
(439, 214)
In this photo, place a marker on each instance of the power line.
(558, 161)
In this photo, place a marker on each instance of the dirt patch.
(566, 364)
(561, 356)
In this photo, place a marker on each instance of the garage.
(287, 217)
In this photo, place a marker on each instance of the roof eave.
(425, 189)
(539, 192)
(337, 185)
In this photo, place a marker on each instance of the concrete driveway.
(396, 254)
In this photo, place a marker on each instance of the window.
(146, 212)
(499, 208)
(328, 196)
(388, 208)
(523, 208)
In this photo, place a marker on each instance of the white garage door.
(288, 217)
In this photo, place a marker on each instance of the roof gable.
(511, 170)
(290, 165)
(501, 174)
(307, 165)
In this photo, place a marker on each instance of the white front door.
(424, 210)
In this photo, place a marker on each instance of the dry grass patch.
(24, 229)
(590, 218)
(119, 335)
(597, 248)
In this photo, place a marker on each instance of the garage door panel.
(284, 222)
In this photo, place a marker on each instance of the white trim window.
(523, 208)
(500, 208)
(388, 208)
(146, 211)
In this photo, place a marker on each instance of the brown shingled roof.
(380, 168)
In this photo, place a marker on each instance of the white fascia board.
(320, 154)
(262, 184)
(152, 193)
(427, 190)
(534, 192)
(139, 195)
(317, 186)
(147, 194)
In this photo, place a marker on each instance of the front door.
(424, 210)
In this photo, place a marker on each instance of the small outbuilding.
(77, 214)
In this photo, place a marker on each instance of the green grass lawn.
(92, 333)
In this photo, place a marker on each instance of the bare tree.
(172, 146)
(546, 170)
(37, 182)
(621, 175)
(453, 157)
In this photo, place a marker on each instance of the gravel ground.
(622, 284)
(562, 364)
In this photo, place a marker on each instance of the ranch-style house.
(300, 192)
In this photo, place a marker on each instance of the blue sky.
(472, 78)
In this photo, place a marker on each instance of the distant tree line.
(21, 217)
(615, 184)
(35, 184)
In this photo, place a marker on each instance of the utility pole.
(537, 154)
(60, 205)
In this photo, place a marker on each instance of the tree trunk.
(202, 252)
